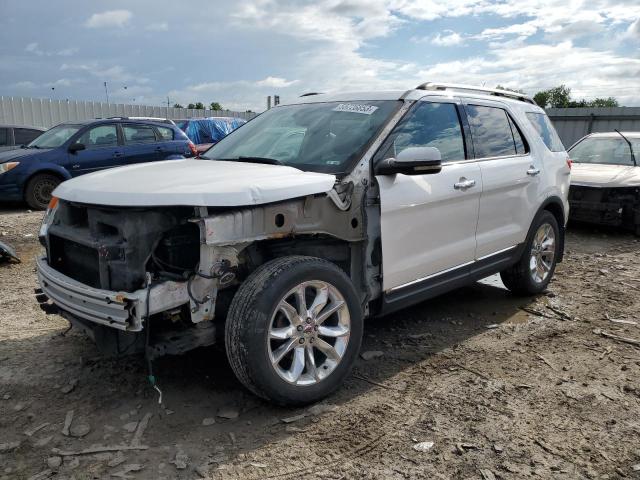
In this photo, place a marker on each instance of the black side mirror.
(412, 161)
(76, 147)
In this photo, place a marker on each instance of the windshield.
(611, 151)
(55, 136)
(318, 137)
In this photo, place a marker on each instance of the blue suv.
(71, 149)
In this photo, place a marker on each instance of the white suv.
(303, 222)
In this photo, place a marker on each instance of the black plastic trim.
(465, 275)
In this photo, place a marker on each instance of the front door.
(101, 150)
(428, 221)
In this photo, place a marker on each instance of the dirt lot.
(503, 387)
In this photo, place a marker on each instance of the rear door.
(509, 177)
(140, 143)
(102, 150)
(429, 221)
(169, 146)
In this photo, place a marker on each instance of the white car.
(605, 183)
(308, 219)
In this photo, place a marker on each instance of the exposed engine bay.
(615, 206)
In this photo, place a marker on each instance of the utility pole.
(167, 102)
(106, 91)
(269, 102)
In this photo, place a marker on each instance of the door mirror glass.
(76, 147)
(412, 161)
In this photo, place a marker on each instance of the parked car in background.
(72, 149)
(14, 136)
(314, 215)
(205, 132)
(605, 183)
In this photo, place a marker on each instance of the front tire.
(294, 329)
(533, 272)
(39, 190)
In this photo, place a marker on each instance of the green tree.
(177, 105)
(215, 106)
(604, 102)
(542, 98)
(560, 97)
(196, 106)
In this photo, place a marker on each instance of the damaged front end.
(116, 271)
(614, 206)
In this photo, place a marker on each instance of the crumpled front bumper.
(122, 310)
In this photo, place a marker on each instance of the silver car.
(14, 136)
(605, 180)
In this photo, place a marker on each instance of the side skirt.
(438, 284)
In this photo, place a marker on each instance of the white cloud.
(33, 48)
(275, 82)
(110, 18)
(447, 38)
(24, 85)
(157, 27)
(116, 73)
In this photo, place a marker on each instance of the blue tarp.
(210, 129)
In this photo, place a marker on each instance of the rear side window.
(4, 137)
(491, 131)
(545, 129)
(24, 136)
(428, 125)
(138, 134)
(165, 133)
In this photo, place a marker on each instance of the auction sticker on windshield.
(356, 108)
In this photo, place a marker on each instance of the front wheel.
(39, 190)
(294, 329)
(534, 270)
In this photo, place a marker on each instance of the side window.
(101, 136)
(543, 126)
(138, 134)
(165, 133)
(491, 132)
(4, 137)
(428, 125)
(518, 139)
(23, 136)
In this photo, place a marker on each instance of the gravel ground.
(476, 384)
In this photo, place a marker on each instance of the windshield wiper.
(267, 161)
(633, 157)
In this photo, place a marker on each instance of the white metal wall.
(43, 112)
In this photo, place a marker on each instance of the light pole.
(106, 91)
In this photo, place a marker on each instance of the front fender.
(46, 167)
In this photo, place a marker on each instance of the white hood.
(601, 175)
(193, 183)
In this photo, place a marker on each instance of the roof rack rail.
(309, 94)
(498, 92)
(148, 119)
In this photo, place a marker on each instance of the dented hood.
(194, 183)
(606, 176)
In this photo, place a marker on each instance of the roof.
(116, 119)
(424, 90)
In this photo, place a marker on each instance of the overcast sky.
(239, 52)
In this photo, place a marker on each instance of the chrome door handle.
(533, 171)
(464, 184)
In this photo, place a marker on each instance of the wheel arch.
(555, 206)
(51, 170)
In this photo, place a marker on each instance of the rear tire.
(39, 189)
(286, 356)
(533, 272)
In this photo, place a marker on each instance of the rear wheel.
(39, 189)
(294, 329)
(534, 270)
